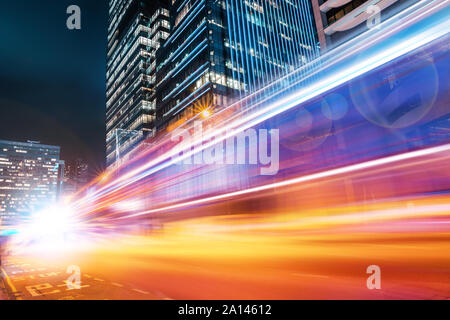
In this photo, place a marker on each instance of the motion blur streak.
(385, 52)
(326, 174)
(364, 180)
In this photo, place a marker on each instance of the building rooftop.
(29, 144)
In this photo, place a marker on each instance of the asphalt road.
(269, 263)
(23, 281)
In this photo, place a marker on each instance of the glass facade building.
(220, 50)
(30, 178)
(136, 30)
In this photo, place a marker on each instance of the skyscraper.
(221, 50)
(30, 178)
(136, 30)
(340, 20)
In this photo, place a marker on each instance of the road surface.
(285, 256)
(25, 281)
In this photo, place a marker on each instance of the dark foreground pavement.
(22, 281)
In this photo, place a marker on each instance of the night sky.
(52, 80)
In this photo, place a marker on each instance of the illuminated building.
(81, 172)
(220, 50)
(76, 176)
(69, 184)
(136, 30)
(340, 20)
(30, 178)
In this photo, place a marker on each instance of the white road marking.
(117, 284)
(162, 295)
(140, 291)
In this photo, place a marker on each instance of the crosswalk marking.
(56, 285)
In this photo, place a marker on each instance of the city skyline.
(254, 150)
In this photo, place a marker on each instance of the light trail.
(307, 178)
(424, 35)
(313, 219)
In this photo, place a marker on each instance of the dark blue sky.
(52, 80)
